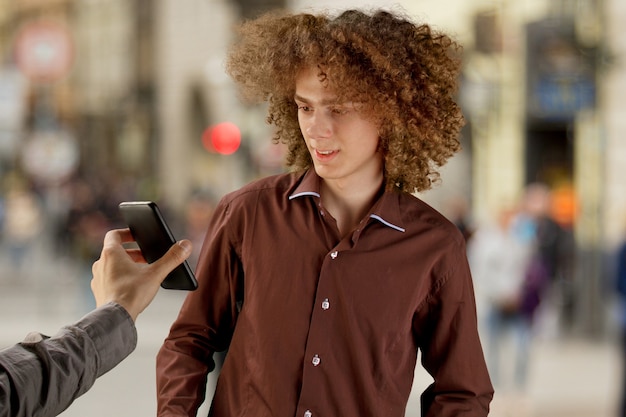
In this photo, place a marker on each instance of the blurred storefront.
(541, 92)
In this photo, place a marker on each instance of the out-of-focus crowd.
(521, 261)
(74, 216)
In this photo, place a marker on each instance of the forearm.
(181, 378)
(42, 376)
(461, 386)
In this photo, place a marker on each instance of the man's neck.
(348, 205)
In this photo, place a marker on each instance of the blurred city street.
(573, 377)
(122, 100)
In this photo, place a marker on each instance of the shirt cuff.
(113, 333)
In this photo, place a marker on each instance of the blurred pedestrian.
(457, 210)
(555, 252)
(620, 280)
(23, 222)
(499, 256)
(325, 282)
(511, 281)
(86, 224)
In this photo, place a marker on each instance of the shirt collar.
(309, 185)
(386, 210)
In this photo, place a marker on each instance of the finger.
(117, 237)
(172, 258)
(136, 255)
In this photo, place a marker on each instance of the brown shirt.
(317, 325)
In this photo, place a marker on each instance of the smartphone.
(154, 238)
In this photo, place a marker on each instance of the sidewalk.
(567, 378)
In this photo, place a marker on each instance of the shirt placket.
(319, 340)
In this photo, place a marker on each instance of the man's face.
(342, 142)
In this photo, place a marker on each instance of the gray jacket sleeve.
(42, 376)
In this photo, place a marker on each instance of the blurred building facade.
(541, 91)
(125, 89)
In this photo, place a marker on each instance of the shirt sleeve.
(205, 323)
(451, 348)
(41, 376)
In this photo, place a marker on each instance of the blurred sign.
(44, 51)
(560, 71)
(50, 156)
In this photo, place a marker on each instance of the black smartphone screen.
(154, 238)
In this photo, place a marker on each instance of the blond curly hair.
(405, 73)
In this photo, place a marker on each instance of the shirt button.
(316, 360)
(325, 304)
(308, 413)
(334, 254)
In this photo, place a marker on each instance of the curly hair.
(406, 74)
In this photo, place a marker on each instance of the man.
(324, 282)
(42, 376)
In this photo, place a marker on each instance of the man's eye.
(304, 108)
(339, 110)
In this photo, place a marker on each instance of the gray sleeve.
(42, 376)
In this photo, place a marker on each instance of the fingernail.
(185, 244)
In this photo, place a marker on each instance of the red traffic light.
(223, 138)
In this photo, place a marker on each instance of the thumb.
(175, 256)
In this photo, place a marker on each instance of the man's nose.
(319, 127)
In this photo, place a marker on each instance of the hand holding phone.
(154, 238)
